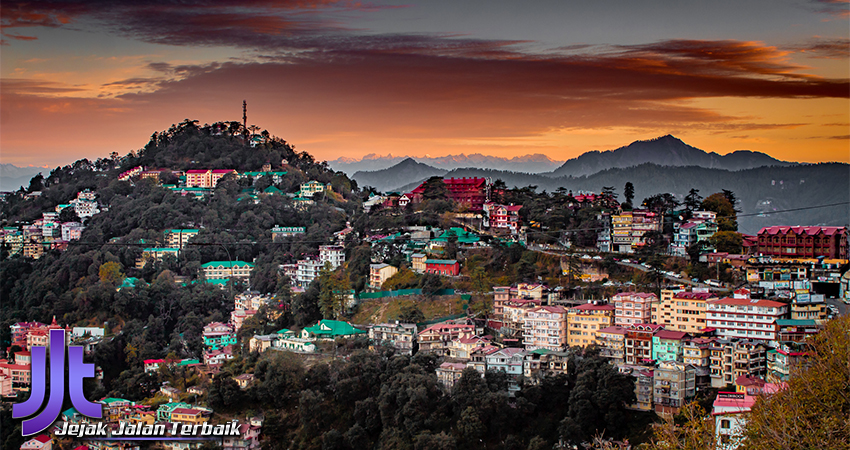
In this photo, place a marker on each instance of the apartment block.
(638, 346)
(731, 359)
(585, 320)
(674, 385)
(744, 317)
(633, 307)
(545, 327)
(682, 310)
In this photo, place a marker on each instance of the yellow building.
(417, 262)
(585, 321)
(379, 273)
(188, 415)
(681, 310)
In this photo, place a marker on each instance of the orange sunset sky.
(81, 78)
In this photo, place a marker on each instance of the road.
(843, 308)
(562, 252)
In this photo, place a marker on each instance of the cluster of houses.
(32, 239)
(16, 372)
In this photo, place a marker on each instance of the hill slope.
(666, 151)
(760, 190)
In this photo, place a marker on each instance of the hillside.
(759, 190)
(13, 177)
(402, 173)
(665, 150)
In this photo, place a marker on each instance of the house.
(311, 188)
(629, 227)
(502, 216)
(471, 192)
(156, 254)
(729, 414)
(217, 357)
(400, 336)
(244, 380)
(259, 343)
(249, 437)
(513, 312)
(72, 231)
(541, 363)
(417, 262)
(509, 361)
(170, 392)
(163, 413)
(449, 373)
(697, 352)
(437, 337)
(585, 320)
(446, 267)
(288, 341)
(40, 442)
(379, 273)
(238, 316)
(462, 348)
(217, 335)
(327, 329)
(333, 254)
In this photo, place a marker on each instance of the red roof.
(551, 309)
(746, 380)
(196, 171)
(694, 295)
(616, 329)
(42, 438)
(669, 334)
(592, 307)
(191, 411)
(747, 301)
(811, 231)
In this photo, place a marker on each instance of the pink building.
(633, 307)
(545, 327)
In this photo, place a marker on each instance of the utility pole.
(244, 117)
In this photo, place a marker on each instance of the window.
(725, 423)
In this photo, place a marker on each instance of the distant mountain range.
(13, 177)
(535, 163)
(397, 175)
(668, 165)
(664, 151)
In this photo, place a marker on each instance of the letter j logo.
(77, 370)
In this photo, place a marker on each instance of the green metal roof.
(327, 327)
(226, 264)
(440, 261)
(797, 322)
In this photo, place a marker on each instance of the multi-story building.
(446, 267)
(334, 254)
(796, 330)
(731, 359)
(668, 345)
(675, 384)
(603, 236)
(464, 347)
(682, 310)
(730, 418)
(785, 358)
(218, 335)
(512, 314)
(312, 188)
(471, 192)
(214, 270)
(502, 216)
(697, 352)
(509, 361)
(379, 273)
(306, 271)
(156, 254)
(639, 343)
(545, 327)
(629, 228)
(803, 242)
(72, 231)
(644, 387)
(436, 338)
(540, 363)
(633, 307)
(744, 317)
(85, 204)
(279, 232)
(417, 262)
(585, 320)
(206, 178)
(699, 228)
(178, 238)
(400, 336)
(449, 373)
(612, 341)
(807, 306)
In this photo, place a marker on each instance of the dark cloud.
(837, 8)
(35, 87)
(834, 48)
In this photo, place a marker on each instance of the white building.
(633, 307)
(334, 254)
(743, 317)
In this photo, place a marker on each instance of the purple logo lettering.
(77, 370)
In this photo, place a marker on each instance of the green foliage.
(727, 217)
(727, 241)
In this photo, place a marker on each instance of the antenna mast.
(245, 115)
